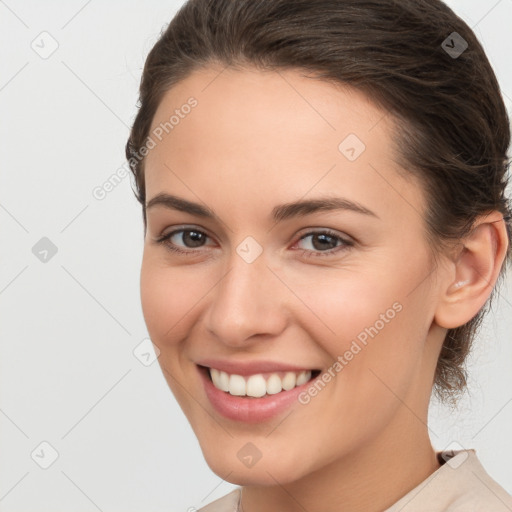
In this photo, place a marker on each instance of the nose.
(248, 301)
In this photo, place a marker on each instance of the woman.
(323, 192)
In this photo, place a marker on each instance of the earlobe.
(472, 275)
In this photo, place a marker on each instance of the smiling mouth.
(259, 384)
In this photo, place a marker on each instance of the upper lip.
(250, 367)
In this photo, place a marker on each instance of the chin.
(228, 467)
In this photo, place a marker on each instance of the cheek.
(376, 352)
(168, 296)
(167, 299)
(352, 306)
(371, 322)
(376, 306)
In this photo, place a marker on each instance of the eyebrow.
(279, 213)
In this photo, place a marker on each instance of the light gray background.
(69, 325)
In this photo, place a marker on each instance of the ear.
(473, 271)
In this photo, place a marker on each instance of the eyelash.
(345, 244)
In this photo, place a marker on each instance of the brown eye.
(191, 238)
(184, 240)
(324, 243)
(321, 241)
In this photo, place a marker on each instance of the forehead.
(268, 131)
(256, 101)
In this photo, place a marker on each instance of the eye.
(324, 243)
(190, 238)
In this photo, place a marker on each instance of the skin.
(255, 140)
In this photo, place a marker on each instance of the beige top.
(459, 485)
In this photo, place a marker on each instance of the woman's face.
(346, 289)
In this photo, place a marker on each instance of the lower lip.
(250, 409)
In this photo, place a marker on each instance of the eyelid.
(184, 227)
(319, 229)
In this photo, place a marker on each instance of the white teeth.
(302, 378)
(237, 385)
(274, 384)
(256, 385)
(221, 379)
(289, 381)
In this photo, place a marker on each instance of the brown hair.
(452, 128)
